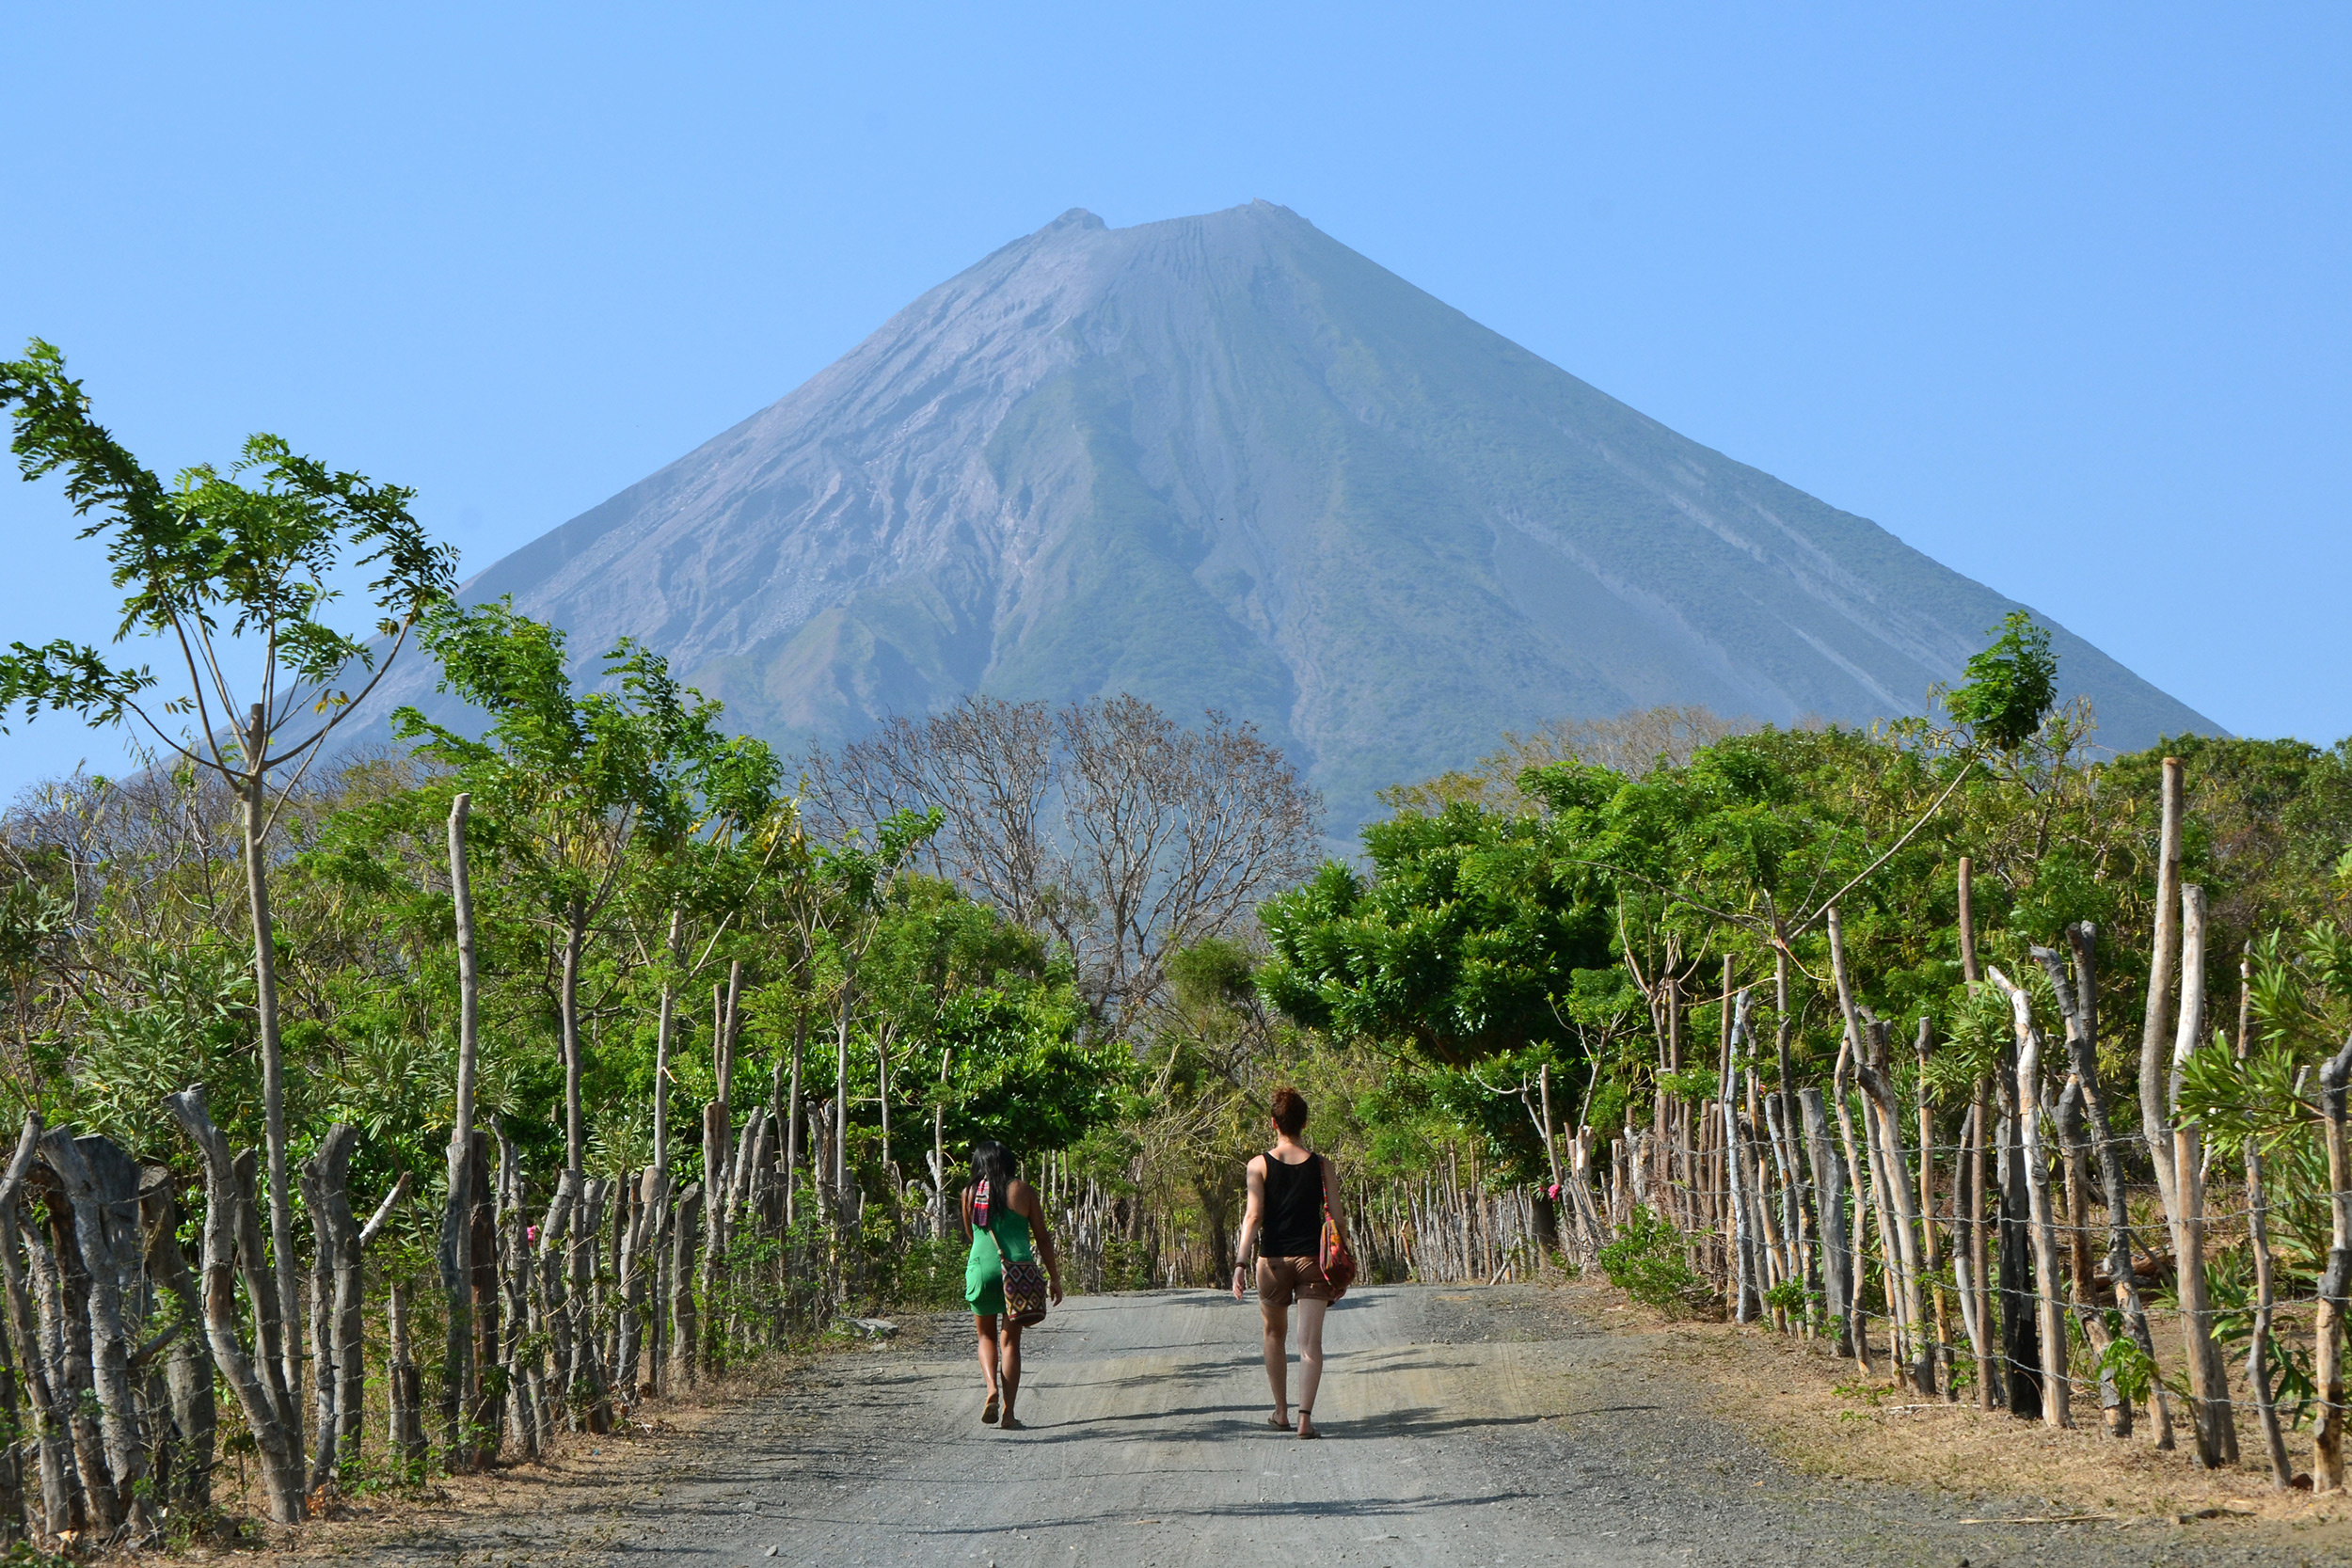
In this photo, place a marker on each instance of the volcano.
(1225, 462)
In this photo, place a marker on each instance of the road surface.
(1463, 1426)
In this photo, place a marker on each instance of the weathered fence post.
(230, 1229)
(684, 1330)
(2208, 1376)
(2335, 1281)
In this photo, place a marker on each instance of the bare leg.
(1011, 1378)
(986, 1329)
(1276, 1355)
(1309, 1359)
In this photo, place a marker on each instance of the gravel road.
(1462, 1427)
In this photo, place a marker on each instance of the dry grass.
(1815, 1413)
(535, 1512)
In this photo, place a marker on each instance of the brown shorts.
(1282, 1280)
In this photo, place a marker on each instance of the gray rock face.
(1227, 462)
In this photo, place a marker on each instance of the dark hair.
(1290, 1111)
(993, 1163)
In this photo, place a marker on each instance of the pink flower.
(1555, 1192)
(533, 1234)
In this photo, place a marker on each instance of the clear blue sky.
(2058, 295)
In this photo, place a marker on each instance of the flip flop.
(1009, 1424)
(988, 1415)
(1277, 1422)
(1306, 1431)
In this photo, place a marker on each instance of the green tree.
(2011, 686)
(226, 570)
(565, 785)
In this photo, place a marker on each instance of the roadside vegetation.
(387, 1114)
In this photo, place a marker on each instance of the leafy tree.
(2011, 686)
(224, 568)
(565, 785)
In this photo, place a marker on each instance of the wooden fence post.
(2208, 1377)
(231, 1227)
(2335, 1281)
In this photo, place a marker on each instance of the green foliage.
(1649, 1262)
(928, 1273)
(2012, 685)
(211, 558)
(1020, 1073)
(1695, 1085)
(1455, 948)
(2122, 1361)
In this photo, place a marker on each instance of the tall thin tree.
(226, 570)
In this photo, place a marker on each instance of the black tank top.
(1293, 1226)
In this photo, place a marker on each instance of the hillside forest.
(389, 1109)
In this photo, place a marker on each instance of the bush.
(1126, 1265)
(930, 1274)
(1649, 1262)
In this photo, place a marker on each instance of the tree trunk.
(62, 1291)
(715, 1184)
(841, 1094)
(1857, 1322)
(1828, 1209)
(335, 1295)
(288, 1306)
(2154, 1100)
(551, 1318)
(2265, 1302)
(405, 1434)
(512, 1224)
(2335, 1280)
(2021, 1340)
(1744, 1288)
(2078, 1005)
(54, 1453)
(636, 1369)
(2057, 1404)
(456, 1257)
(792, 1150)
(486, 1413)
(1932, 1261)
(575, 1116)
(231, 1227)
(188, 1371)
(591, 1396)
(102, 1183)
(2208, 1374)
(685, 1339)
(1878, 1086)
(1975, 1241)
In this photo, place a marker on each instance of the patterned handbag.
(1338, 1263)
(1024, 1277)
(1025, 1290)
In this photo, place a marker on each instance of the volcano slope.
(1227, 462)
(1489, 1426)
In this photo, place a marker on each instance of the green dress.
(984, 1270)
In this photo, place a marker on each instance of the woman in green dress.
(1013, 1218)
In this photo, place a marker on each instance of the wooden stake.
(2208, 1377)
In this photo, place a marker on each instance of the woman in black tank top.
(1290, 1187)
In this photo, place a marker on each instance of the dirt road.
(1463, 1426)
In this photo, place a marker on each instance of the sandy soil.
(1519, 1424)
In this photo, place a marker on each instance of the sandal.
(1277, 1422)
(988, 1413)
(1306, 1433)
(1009, 1424)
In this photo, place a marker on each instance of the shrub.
(1649, 1262)
(930, 1273)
